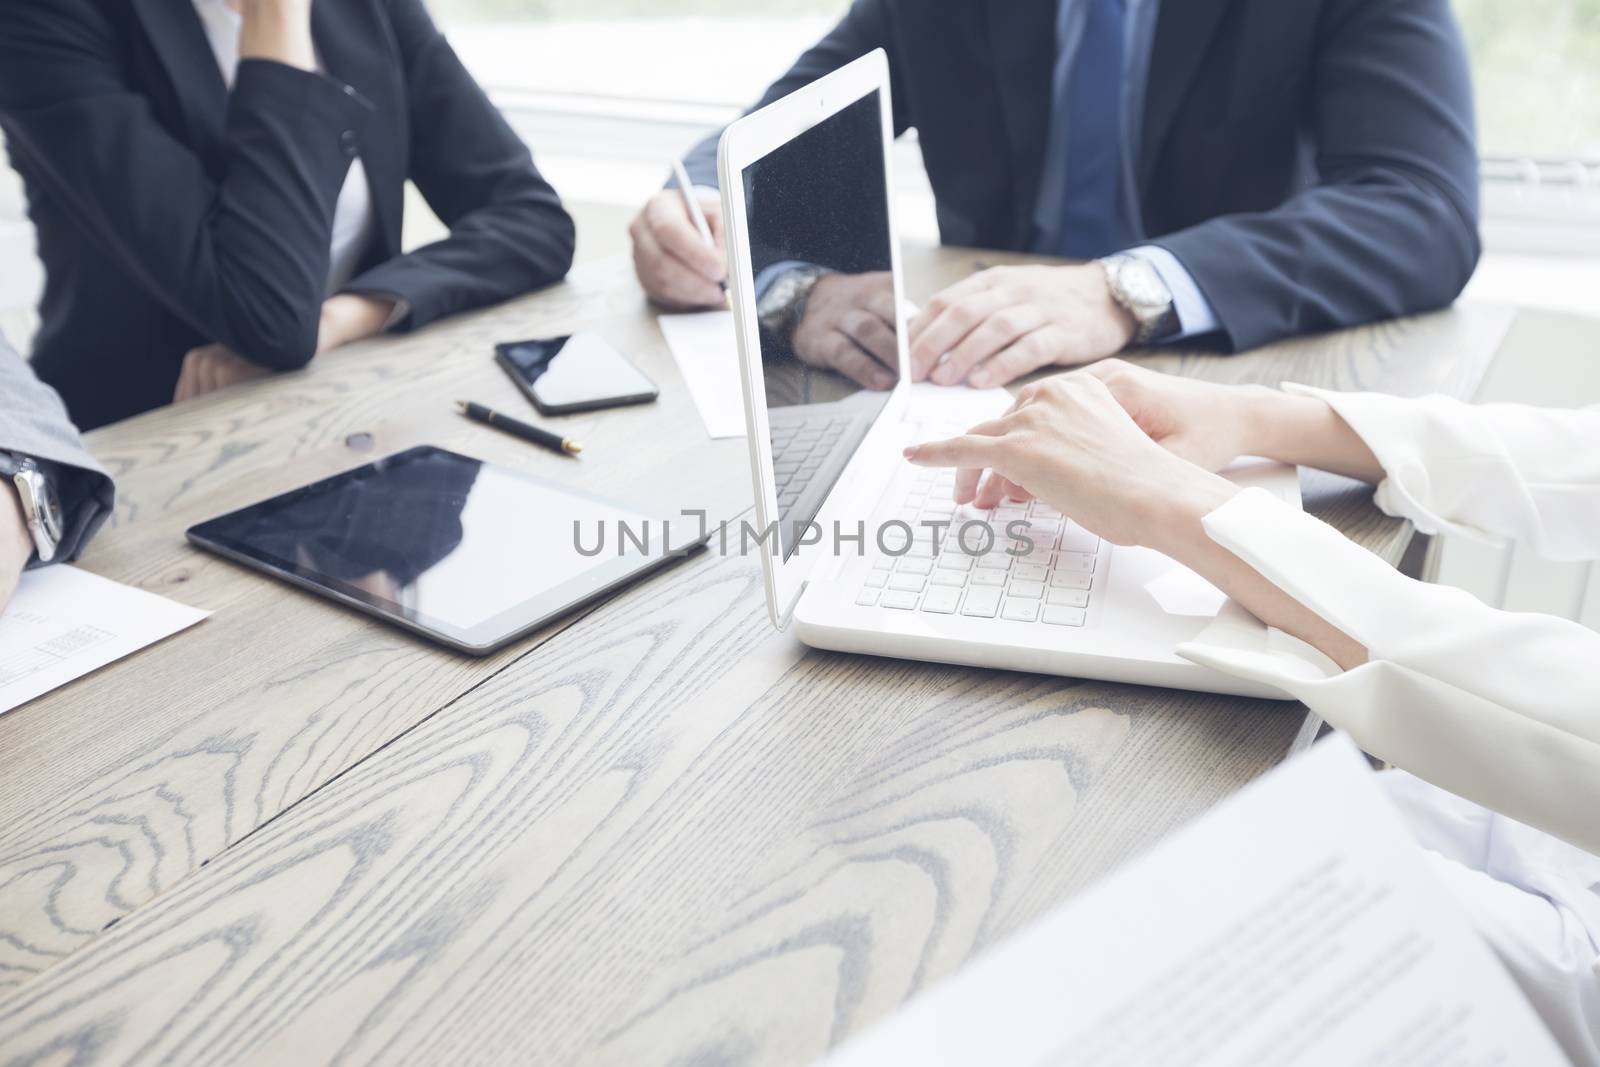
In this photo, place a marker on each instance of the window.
(1536, 62)
(620, 83)
(1536, 67)
(716, 52)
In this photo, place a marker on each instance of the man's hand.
(1002, 323)
(16, 544)
(849, 327)
(211, 367)
(677, 269)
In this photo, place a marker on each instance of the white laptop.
(861, 551)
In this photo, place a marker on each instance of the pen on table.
(517, 428)
(693, 205)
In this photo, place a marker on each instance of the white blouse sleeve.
(1498, 707)
(1488, 471)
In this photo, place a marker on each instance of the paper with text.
(706, 349)
(1296, 924)
(63, 623)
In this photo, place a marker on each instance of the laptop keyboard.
(1051, 584)
(800, 446)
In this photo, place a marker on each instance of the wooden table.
(656, 832)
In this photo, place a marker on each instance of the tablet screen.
(432, 536)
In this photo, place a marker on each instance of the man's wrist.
(1137, 288)
(16, 543)
(1124, 326)
(1118, 319)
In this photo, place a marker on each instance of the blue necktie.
(1091, 214)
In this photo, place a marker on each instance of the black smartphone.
(580, 372)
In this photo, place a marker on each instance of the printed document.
(63, 623)
(706, 349)
(1295, 924)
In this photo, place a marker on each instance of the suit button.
(349, 144)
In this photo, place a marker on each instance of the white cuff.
(1497, 707)
(1277, 540)
(1497, 472)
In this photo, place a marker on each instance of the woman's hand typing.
(1072, 443)
(1069, 442)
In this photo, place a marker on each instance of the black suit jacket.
(172, 213)
(1311, 162)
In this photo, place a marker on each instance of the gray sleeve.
(34, 423)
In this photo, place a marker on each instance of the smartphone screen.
(577, 373)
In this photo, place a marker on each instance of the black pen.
(517, 428)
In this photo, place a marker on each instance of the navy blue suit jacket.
(1311, 162)
(172, 213)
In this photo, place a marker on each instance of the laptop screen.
(820, 252)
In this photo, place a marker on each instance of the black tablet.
(467, 553)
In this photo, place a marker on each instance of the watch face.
(1143, 285)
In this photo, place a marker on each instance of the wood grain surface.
(656, 832)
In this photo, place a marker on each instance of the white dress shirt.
(353, 218)
(1499, 708)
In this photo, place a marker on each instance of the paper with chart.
(706, 350)
(63, 623)
(1296, 924)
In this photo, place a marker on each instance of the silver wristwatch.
(41, 507)
(1137, 286)
(783, 305)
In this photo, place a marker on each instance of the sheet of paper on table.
(63, 623)
(1296, 923)
(706, 349)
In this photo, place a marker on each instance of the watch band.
(1146, 298)
(1158, 326)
